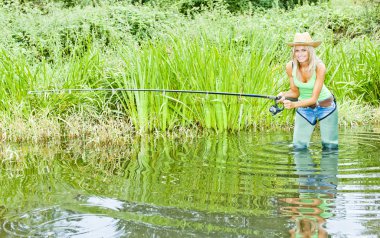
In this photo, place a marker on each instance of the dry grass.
(109, 130)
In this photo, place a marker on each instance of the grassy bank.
(126, 46)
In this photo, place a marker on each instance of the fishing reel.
(275, 109)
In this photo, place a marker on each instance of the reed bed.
(125, 46)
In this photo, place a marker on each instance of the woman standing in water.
(315, 101)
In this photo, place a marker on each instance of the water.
(244, 185)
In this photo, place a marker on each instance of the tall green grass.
(354, 70)
(125, 46)
(199, 64)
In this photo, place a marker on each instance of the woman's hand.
(282, 97)
(289, 104)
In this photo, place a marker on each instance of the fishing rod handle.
(286, 98)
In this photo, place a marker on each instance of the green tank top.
(306, 89)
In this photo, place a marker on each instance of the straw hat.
(304, 39)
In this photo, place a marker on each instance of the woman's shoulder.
(289, 67)
(320, 66)
(289, 64)
(320, 62)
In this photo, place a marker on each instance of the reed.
(207, 64)
(354, 70)
(118, 46)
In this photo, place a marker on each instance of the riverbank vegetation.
(158, 44)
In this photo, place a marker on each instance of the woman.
(315, 102)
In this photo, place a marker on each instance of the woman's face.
(301, 53)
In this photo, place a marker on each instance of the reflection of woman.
(316, 103)
(316, 192)
(308, 226)
(310, 181)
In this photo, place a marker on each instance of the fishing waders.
(307, 118)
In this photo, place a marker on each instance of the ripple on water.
(95, 216)
(58, 222)
(231, 188)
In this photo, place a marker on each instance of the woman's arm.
(293, 91)
(321, 72)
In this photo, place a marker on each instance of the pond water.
(242, 185)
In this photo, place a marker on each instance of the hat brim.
(312, 43)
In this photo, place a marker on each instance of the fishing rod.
(274, 109)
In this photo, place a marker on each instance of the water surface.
(242, 185)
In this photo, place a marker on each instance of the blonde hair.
(313, 59)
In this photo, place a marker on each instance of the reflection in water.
(213, 186)
(316, 194)
(59, 222)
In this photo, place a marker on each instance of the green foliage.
(64, 33)
(14, 80)
(198, 64)
(346, 23)
(122, 45)
(42, 3)
(233, 6)
(354, 70)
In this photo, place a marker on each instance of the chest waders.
(307, 118)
